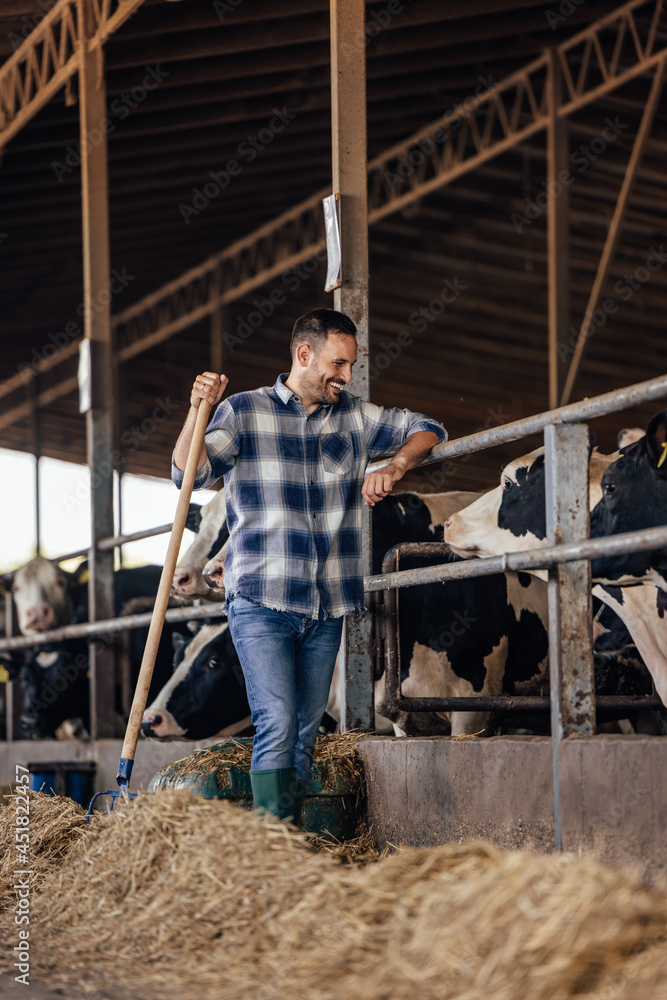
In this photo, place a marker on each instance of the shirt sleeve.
(387, 430)
(223, 445)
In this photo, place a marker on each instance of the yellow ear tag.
(4, 675)
(84, 576)
(664, 453)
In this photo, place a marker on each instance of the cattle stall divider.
(566, 556)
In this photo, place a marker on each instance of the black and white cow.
(55, 688)
(206, 695)
(47, 597)
(210, 525)
(476, 636)
(512, 518)
(634, 496)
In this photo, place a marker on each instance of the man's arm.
(207, 386)
(378, 484)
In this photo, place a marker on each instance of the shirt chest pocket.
(337, 453)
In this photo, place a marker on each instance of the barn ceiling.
(458, 280)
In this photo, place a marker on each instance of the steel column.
(558, 208)
(37, 450)
(13, 695)
(97, 319)
(569, 595)
(350, 178)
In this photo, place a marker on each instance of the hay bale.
(336, 753)
(201, 898)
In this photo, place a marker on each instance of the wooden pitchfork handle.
(162, 600)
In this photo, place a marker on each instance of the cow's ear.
(193, 520)
(656, 443)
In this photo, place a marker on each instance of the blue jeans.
(287, 663)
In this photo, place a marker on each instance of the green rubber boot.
(274, 791)
(301, 789)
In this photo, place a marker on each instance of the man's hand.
(378, 484)
(208, 386)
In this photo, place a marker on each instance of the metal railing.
(392, 580)
(572, 699)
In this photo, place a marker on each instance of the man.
(293, 457)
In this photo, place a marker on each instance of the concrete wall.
(434, 790)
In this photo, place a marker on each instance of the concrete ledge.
(151, 756)
(435, 790)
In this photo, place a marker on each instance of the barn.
(500, 209)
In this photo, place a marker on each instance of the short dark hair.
(314, 327)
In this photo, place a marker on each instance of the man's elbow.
(429, 439)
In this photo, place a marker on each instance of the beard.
(317, 388)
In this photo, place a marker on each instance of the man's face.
(331, 369)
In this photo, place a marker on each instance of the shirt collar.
(281, 390)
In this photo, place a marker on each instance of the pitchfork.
(157, 621)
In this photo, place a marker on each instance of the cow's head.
(206, 694)
(634, 496)
(512, 517)
(54, 685)
(44, 594)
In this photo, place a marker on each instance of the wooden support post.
(569, 595)
(97, 328)
(350, 178)
(558, 211)
(614, 230)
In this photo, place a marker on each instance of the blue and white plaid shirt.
(293, 493)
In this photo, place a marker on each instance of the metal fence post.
(569, 595)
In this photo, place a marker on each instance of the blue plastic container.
(73, 778)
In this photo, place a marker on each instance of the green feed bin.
(332, 804)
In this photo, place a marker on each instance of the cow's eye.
(609, 489)
(507, 483)
(213, 662)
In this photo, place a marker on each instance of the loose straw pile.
(175, 896)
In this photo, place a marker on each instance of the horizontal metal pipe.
(105, 544)
(70, 555)
(520, 703)
(109, 543)
(629, 541)
(597, 406)
(111, 626)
